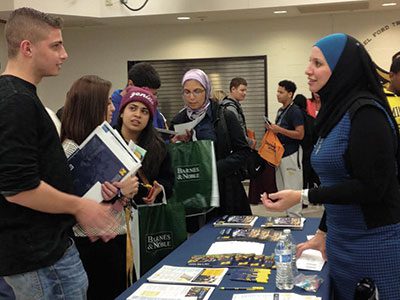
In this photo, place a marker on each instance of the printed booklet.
(251, 274)
(149, 291)
(232, 260)
(102, 156)
(285, 222)
(236, 221)
(191, 275)
(249, 234)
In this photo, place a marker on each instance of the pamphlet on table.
(285, 222)
(232, 261)
(249, 234)
(250, 274)
(236, 247)
(168, 291)
(310, 259)
(236, 221)
(191, 275)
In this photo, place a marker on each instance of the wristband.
(304, 197)
(319, 231)
(121, 195)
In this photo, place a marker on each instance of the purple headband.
(200, 76)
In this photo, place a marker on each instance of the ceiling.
(226, 15)
(234, 15)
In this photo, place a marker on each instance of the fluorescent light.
(280, 12)
(183, 18)
(389, 4)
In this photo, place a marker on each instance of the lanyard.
(280, 116)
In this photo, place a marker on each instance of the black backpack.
(255, 164)
(309, 132)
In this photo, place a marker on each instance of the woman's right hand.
(128, 187)
(182, 137)
(282, 200)
(108, 191)
(318, 242)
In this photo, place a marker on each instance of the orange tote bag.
(271, 148)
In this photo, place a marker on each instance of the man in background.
(142, 75)
(393, 89)
(37, 255)
(237, 94)
(289, 127)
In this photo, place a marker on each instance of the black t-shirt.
(289, 118)
(30, 152)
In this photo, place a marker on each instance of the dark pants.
(265, 182)
(105, 266)
(6, 292)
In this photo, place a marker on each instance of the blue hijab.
(353, 77)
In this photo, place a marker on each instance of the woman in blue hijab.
(356, 159)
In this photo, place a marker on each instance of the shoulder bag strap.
(224, 126)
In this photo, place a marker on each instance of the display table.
(202, 240)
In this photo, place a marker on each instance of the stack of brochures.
(186, 275)
(249, 234)
(191, 275)
(285, 222)
(232, 260)
(102, 156)
(237, 247)
(310, 259)
(258, 275)
(168, 291)
(236, 221)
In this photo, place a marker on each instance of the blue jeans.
(66, 280)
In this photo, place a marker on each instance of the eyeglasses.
(195, 93)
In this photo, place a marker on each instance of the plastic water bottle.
(283, 263)
(290, 240)
(366, 290)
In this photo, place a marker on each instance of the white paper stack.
(310, 259)
(236, 247)
(274, 296)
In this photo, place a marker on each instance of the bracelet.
(320, 232)
(122, 196)
(304, 197)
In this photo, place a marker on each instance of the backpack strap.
(237, 108)
(221, 115)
